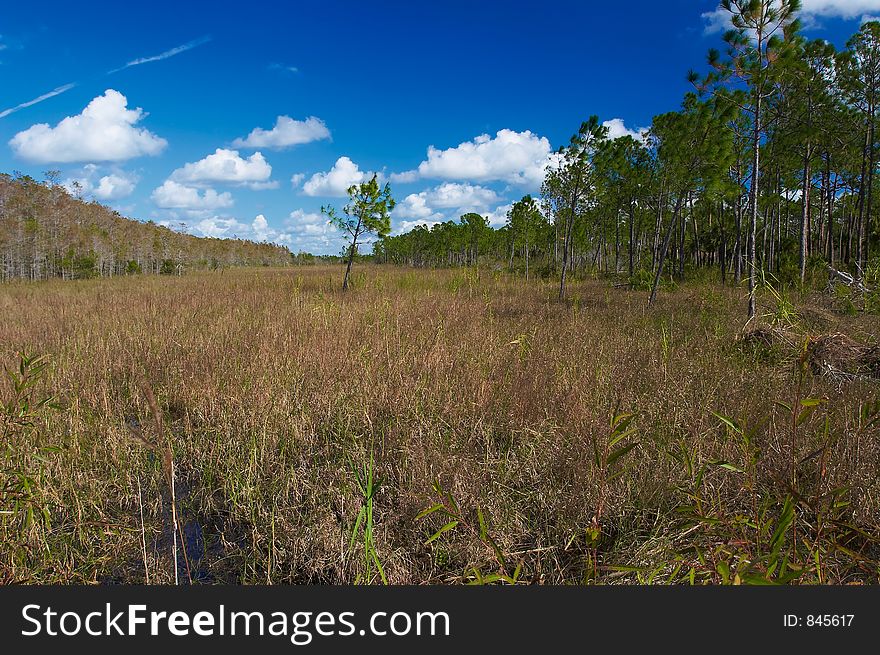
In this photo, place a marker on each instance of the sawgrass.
(307, 431)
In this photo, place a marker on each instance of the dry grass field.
(309, 433)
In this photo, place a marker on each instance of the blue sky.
(244, 118)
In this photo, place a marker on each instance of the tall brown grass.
(275, 390)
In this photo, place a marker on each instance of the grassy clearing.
(444, 426)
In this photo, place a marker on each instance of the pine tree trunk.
(753, 205)
(631, 238)
(664, 248)
(805, 215)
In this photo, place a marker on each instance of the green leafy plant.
(362, 533)
(609, 455)
(22, 508)
(449, 508)
(784, 314)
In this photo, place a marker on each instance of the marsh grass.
(282, 403)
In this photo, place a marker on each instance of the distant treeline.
(47, 233)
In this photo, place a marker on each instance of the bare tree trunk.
(737, 244)
(567, 245)
(351, 252)
(805, 215)
(867, 224)
(512, 245)
(832, 192)
(753, 203)
(632, 228)
(723, 249)
(663, 249)
(860, 225)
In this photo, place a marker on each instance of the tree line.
(47, 233)
(768, 166)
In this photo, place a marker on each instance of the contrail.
(164, 55)
(45, 96)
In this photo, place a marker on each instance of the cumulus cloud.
(461, 195)
(407, 226)
(449, 195)
(261, 227)
(498, 216)
(839, 8)
(417, 209)
(211, 224)
(220, 228)
(173, 195)
(227, 167)
(404, 177)
(415, 205)
(718, 20)
(104, 131)
(114, 185)
(311, 232)
(617, 129)
(335, 182)
(311, 223)
(515, 157)
(260, 230)
(296, 179)
(286, 132)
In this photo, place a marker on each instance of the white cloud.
(715, 21)
(447, 201)
(262, 231)
(228, 167)
(335, 182)
(104, 131)
(311, 232)
(617, 129)
(839, 8)
(51, 94)
(407, 226)
(287, 132)
(164, 55)
(420, 214)
(283, 68)
(296, 179)
(114, 185)
(498, 216)
(222, 227)
(262, 186)
(415, 205)
(404, 177)
(465, 196)
(299, 217)
(514, 157)
(225, 227)
(261, 226)
(718, 20)
(173, 195)
(449, 195)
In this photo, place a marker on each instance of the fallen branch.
(847, 279)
